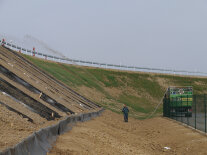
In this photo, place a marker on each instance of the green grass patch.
(146, 85)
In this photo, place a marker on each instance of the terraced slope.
(111, 88)
(31, 99)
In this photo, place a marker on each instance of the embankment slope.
(30, 99)
(113, 88)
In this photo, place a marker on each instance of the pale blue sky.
(152, 33)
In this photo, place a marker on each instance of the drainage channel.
(19, 113)
(31, 88)
(33, 104)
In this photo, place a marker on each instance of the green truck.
(178, 102)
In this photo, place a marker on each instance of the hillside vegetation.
(113, 88)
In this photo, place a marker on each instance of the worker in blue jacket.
(125, 111)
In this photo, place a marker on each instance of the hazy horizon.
(159, 34)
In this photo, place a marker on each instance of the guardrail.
(97, 64)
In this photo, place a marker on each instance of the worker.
(125, 111)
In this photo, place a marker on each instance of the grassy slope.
(111, 88)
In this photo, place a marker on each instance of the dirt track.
(108, 134)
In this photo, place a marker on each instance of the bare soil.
(13, 127)
(108, 134)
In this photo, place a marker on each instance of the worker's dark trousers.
(126, 117)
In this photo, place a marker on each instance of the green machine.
(178, 102)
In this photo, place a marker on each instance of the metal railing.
(191, 110)
(97, 64)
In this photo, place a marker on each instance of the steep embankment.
(30, 99)
(112, 88)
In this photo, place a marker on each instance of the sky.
(170, 34)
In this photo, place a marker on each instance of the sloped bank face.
(112, 88)
(31, 99)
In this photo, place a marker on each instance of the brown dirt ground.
(13, 127)
(108, 134)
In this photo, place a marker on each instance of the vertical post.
(176, 105)
(3, 42)
(168, 111)
(187, 111)
(205, 110)
(195, 110)
(167, 107)
(164, 106)
(33, 51)
(170, 107)
(11, 45)
(181, 107)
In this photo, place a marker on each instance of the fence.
(189, 110)
(41, 141)
(97, 64)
